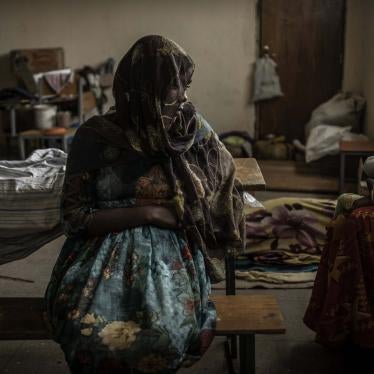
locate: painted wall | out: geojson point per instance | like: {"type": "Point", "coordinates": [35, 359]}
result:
{"type": "Point", "coordinates": [368, 65]}
{"type": "Point", "coordinates": [218, 34]}
{"type": "Point", "coordinates": [359, 55]}
{"type": "Point", "coordinates": [354, 46]}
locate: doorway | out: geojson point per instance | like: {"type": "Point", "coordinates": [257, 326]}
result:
{"type": "Point", "coordinates": [306, 39]}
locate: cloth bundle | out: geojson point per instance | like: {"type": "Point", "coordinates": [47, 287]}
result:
{"type": "Point", "coordinates": [30, 193]}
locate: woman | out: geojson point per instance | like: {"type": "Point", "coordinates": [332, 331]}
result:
{"type": "Point", "coordinates": [149, 195]}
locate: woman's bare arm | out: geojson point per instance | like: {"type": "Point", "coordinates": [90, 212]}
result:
{"type": "Point", "coordinates": [113, 220]}
{"type": "Point", "coordinates": [79, 213]}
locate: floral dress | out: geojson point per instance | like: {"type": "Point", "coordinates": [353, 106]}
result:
{"type": "Point", "coordinates": [131, 299]}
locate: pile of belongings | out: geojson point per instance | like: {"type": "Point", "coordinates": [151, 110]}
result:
{"type": "Point", "coordinates": [97, 79]}
{"type": "Point", "coordinates": [238, 143]}
{"type": "Point", "coordinates": [336, 119]}
{"type": "Point", "coordinates": [30, 194]}
{"type": "Point", "coordinates": [273, 148]}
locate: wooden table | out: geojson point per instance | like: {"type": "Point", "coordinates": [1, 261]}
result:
{"type": "Point", "coordinates": [249, 174]}
{"type": "Point", "coordinates": [49, 139]}
{"type": "Point", "coordinates": [352, 148]}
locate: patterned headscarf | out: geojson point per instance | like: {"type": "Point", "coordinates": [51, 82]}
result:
{"type": "Point", "coordinates": [145, 73]}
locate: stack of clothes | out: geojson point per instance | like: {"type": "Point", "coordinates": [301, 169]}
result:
{"type": "Point", "coordinates": [30, 192]}
{"type": "Point", "coordinates": [284, 242]}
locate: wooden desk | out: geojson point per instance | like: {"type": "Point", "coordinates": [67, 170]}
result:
{"type": "Point", "coordinates": [249, 174]}
{"type": "Point", "coordinates": [49, 139]}
{"type": "Point", "coordinates": [352, 148]}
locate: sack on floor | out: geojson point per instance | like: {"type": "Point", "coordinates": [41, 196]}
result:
{"type": "Point", "coordinates": [273, 149]}
{"type": "Point", "coordinates": [343, 110]}
{"type": "Point", "coordinates": [324, 140]}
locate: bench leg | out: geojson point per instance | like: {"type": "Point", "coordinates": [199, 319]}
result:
{"type": "Point", "coordinates": [247, 354]}
{"type": "Point", "coordinates": [342, 173]}
{"type": "Point", "coordinates": [234, 347]}
{"type": "Point", "coordinates": [230, 274]}
{"type": "Point", "coordinates": [230, 364]}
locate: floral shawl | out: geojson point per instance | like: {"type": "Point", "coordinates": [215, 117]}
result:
{"type": "Point", "coordinates": [199, 169]}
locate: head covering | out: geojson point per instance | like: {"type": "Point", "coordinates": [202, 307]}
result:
{"type": "Point", "coordinates": [142, 79]}
{"type": "Point", "coordinates": [198, 167]}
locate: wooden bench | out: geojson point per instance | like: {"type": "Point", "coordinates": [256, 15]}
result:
{"type": "Point", "coordinates": [239, 315]}
{"type": "Point", "coordinates": [245, 316]}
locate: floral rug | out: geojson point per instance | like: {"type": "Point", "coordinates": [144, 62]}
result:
{"type": "Point", "coordinates": [284, 242]}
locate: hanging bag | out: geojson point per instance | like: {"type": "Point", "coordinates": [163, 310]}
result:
{"type": "Point", "coordinates": [266, 80]}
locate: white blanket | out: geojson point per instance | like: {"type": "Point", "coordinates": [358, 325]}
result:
{"type": "Point", "coordinates": [30, 193]}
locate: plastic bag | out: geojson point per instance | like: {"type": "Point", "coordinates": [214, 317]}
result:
{"type": "Point", "coordinates": [266, 80]}
{"type": "Point", "coordinates": [324, 140]}
{"type": "Point", "coordinates": [342, 110]}
{"type": "Point", "coordinates": [251, 201]}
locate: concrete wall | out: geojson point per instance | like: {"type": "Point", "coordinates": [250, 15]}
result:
{"type": "Point", "coordinates": [359, 55]}
{"type": "Point", "coordinates": [354, 47]}
{"type": "Point", "coordinates": [218, 34]}
{"type": "Point", "coordinates": [368, 65]}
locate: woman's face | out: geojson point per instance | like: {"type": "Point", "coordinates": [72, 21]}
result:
{"type": "Point", "coordinates": [175, 96]}
{"type": "Point", "coordinates": [176, 93]}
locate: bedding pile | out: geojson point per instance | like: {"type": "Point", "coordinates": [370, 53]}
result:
{"type": "Point", "coordinates": [284, 242]}
{"type": "Point", "coordinates": [30, 193]}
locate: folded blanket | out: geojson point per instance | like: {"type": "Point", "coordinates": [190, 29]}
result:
{"type": "Point", "coordinates": [30, 193]}
{"type": "Point", "coordinates": [288, 231]}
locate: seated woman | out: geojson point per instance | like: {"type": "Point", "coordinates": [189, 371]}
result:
{"type": "Point", "coordinates": [341, 309]}
{"type": "Point", "coordinates": [149, 195]}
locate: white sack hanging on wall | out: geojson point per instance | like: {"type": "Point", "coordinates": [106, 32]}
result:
{"type": "Point", "coordinates": [266, 80]}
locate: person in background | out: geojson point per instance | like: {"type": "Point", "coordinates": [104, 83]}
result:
{"type": "Point", "coordinates": [341, 308]}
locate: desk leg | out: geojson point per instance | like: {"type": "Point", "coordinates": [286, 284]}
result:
{"type": "Point", "coordinates": [247, 354]}
{"type": "Point", "coordinates": [231, 290]}
{"type": "Point", "coordinates": [13, 128]}
{"type": "Point", "coordinates": [21, 146]}
{"type": "Point", "coordinates": [65, 144]}
{"type": "Point", "coordinates": [342, 172]}
{"type": "Point", "coordinates": [230, 274]}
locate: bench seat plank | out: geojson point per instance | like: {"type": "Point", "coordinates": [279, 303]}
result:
{"type": "Point", "coordinates": [21, 318]}
{"type": "Point", "coordinates": [248, 314]}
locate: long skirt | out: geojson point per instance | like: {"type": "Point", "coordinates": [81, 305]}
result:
{"type": "Point", "coordinates": [136, 299]}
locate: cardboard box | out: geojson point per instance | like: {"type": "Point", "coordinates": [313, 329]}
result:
{"type": "Point", "coordinates": [41, 59]}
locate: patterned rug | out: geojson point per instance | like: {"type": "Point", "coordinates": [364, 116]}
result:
{"type": "Point", "coordinates": [284, 243]}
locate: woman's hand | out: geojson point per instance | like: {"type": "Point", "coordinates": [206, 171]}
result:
{"type": "Point", "coordinates": [162, 217]}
